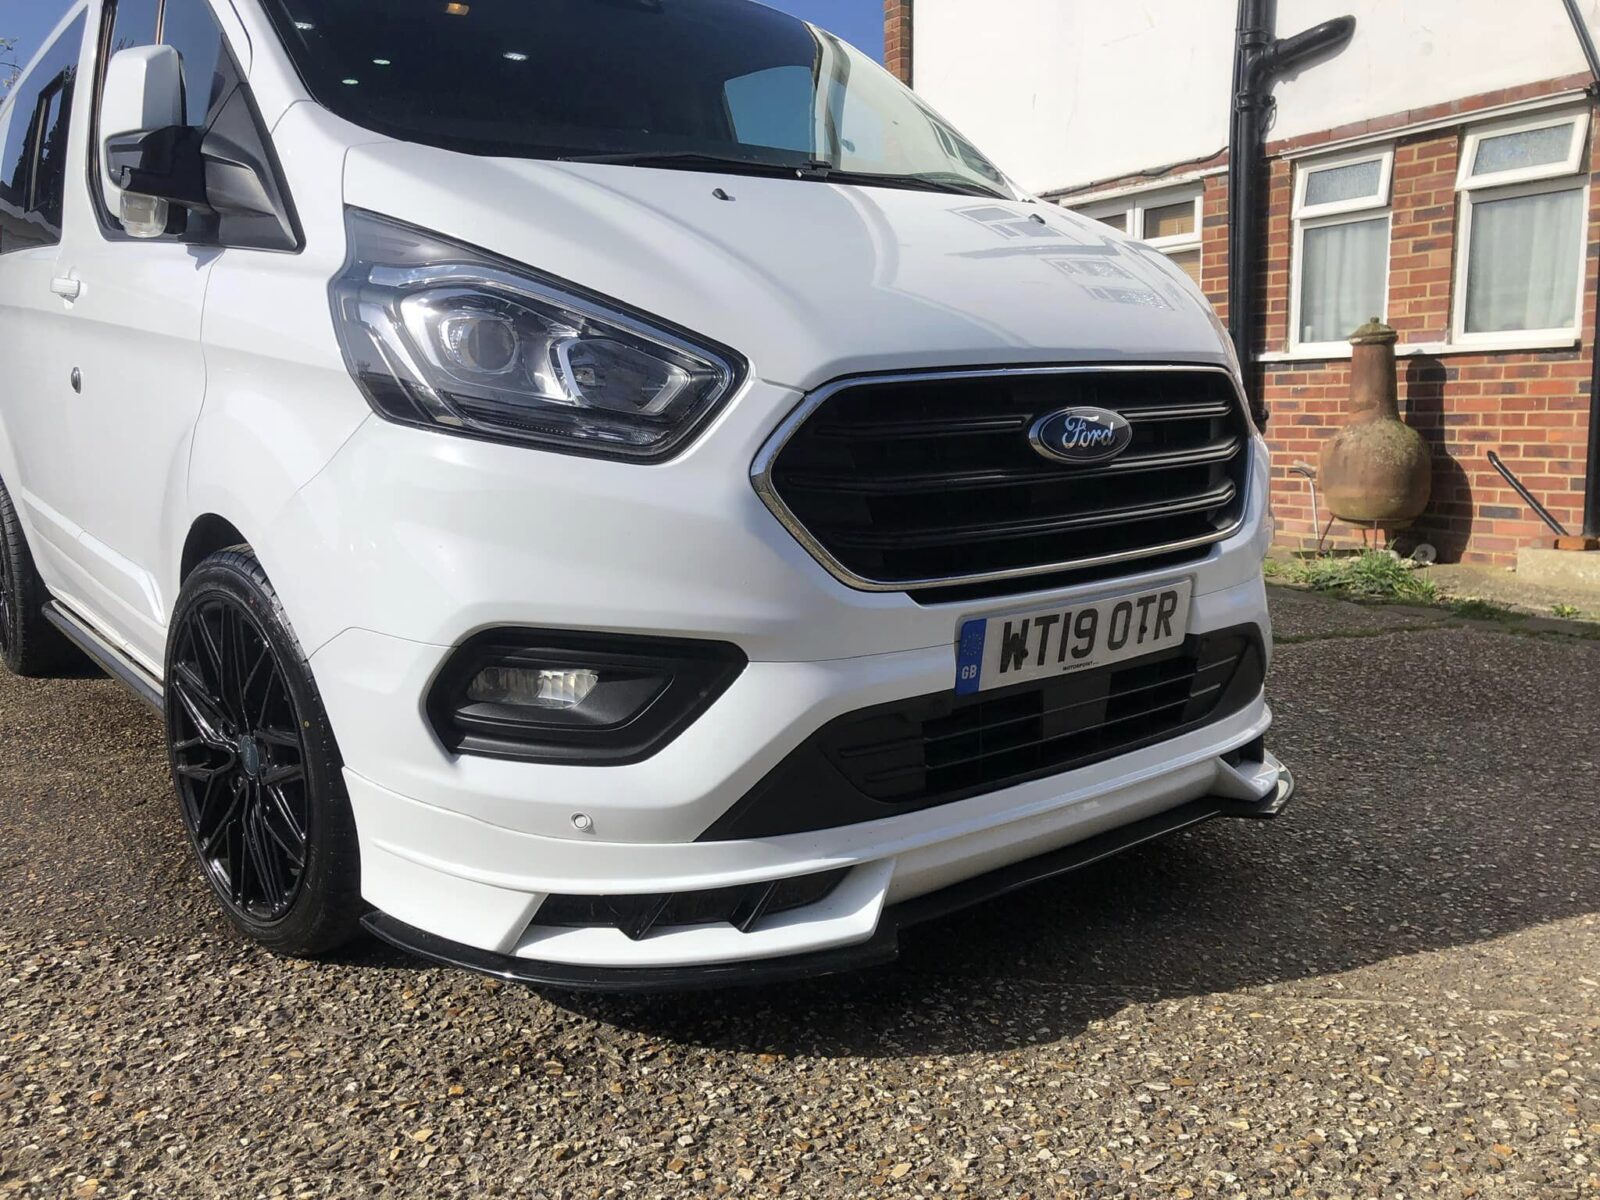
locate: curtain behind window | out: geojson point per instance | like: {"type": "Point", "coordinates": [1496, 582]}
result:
{"type": "Point", "coordinates": [1343, 281]}
{"type": "Point", "coordinates": [1524, 258]}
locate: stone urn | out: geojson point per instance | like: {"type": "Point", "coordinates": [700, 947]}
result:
{"type": "Point", "coordinates": [1376, 471]}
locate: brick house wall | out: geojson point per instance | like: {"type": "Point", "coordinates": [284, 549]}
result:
{"type": "Point", "coordinates": [1529, 406]}
{"type": "Point", "coordinates": [897, 38]}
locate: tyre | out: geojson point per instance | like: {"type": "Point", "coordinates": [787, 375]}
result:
{"type": "Point", "coordinates": [255, 765]}
{"type": "Point", "coordinates": [29, 645]}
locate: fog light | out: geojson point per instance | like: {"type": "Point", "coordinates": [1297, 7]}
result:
{"type": "Point", "coordinates": [532, 687]}
{"type": "Point", "coordinates": [581, 698]}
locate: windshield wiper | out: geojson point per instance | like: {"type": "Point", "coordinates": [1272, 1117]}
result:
{"type": "Point", "coordinates": [924, 183]}
{"type": "Point", "coordinates": [815, 169]}
{"type": "Point", "coordinates": [695, 160]}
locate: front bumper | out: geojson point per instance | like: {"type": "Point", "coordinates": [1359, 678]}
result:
{"type": "Point", "coordinates": [881, 947]}
{"type": "Point", "coordinates": [466, 848]}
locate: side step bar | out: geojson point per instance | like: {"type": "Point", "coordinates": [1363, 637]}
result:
{"type": "Point", "coordinates": [106, 656]}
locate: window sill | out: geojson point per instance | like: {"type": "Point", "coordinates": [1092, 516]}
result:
{"type": "Point", "coordinates": [1493, 343]}
{"type": "Point", "coordinates": [1503, 345]}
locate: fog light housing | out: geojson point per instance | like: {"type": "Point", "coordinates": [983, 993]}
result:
{"type": "Point", "coordinates": [594, 699]}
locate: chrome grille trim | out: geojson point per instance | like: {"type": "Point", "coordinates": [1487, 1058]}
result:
{"type": "Point", "coordinates": [762, 468]}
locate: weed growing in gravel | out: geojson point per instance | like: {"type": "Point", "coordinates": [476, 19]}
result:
{"type": "Point", "coordinates": [1566, 611]}
{"type": "Point", "coordinates": [1482, 610]}
{"type": "Point", "coordinates": [1373, 575]}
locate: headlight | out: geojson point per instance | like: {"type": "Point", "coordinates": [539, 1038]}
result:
{"type": "Point", "coordinates": [446, 336]}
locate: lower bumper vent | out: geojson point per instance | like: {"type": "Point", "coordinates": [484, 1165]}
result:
{"type": "Point", "coordinates": [743, 906]}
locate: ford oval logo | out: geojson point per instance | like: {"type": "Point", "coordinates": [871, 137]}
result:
{"type": "Point", "coordinates": [1081, 435]}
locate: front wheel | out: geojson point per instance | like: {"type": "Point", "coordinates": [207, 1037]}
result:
{"type": "Point", "coordinates": [255, 764]}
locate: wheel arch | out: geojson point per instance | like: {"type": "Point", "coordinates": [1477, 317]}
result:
{"type": "Point", "coordinates": [208, 533]}
{"type": "Point", "coordinates": [223, 521]}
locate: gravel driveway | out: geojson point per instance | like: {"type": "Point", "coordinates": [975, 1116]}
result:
{"type": "Point", "coordinates": [1392, 991]}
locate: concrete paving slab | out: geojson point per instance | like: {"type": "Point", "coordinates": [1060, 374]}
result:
{"type": "Point", "coordinates": [1567, 569]}
{"type": "Point", "coordinates": [1516, 590]}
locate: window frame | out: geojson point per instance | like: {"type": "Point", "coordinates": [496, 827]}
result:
{"type": "Point", "coordinates": [1515, 339]}
{"type": "Point", "coordinates": [1468, 180]}
{"type": "Point", "coordinates": [1571, 174]}
{"type": "Point", "coordinates": [59, 89]}
{"type": "Point", "coordinates": [1137, 204]}
{"type": "Point", "coordinates": [1382, 198]}
{"type": "Point", "coordinates": [1303, 217]}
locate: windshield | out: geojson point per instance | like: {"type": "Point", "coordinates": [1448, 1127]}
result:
{"type": "Point", "coordinates": [694, 84]}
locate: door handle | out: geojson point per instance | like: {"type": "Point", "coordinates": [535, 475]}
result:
{"type": "Point", "coordinates": [67, 287]}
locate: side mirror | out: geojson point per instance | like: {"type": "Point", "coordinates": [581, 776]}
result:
{"type": "Point", "coordinates": [151, 161]}
{"type": "Point", "coordinates": [143, 92]}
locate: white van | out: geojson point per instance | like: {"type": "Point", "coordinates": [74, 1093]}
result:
{"type": "Point", "coordinates": [613, 493]}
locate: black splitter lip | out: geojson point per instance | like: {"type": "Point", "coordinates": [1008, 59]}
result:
{"type": "Point", "coordinates": [882, 947]}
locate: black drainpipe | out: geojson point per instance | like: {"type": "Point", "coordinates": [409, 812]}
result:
{"type": "Point", "coordinates": [1591, 471]}
{"type": "Point", "coordinates": [1260, 59]}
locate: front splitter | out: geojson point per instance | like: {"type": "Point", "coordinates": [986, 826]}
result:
{"type": "Point", "coordinates": [882, 947]}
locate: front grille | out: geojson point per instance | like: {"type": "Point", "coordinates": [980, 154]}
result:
{"type": "Point", "coordinates": [923, 481]}
{"type": "Point", "coordinates": [936, 749]}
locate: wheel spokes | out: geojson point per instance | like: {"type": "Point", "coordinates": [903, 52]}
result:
{"type": "Point", "coordinates": [210, 829]}
{"type": "Point", "coordinates": [205, 712]}
{"type": "Point", "coordinates": [205, 639]}
{"type": "Point", "coordinates": [276, 777]}
{"type": "Point", "coordinates": [234, 652]}
{"type": "Point", "coordinates": [285, 738]}
{"type": "Point", "coordinates": [278, 806]}
{"type": "Point", "coordinates": [266, 864]}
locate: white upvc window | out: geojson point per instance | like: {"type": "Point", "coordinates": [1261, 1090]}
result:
{"type": "Point", "coordinates": [1169, 219]}
{"type": "Point", "coordinates": [1524, 232]}
{"type": "Point", "coordinates": [1339, 272]}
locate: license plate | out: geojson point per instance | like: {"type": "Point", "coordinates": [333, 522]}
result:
{"type": "Point", "coordinates": [1000, 651]}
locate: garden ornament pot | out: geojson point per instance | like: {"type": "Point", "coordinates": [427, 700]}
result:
{"type": "Point", "coordinates": [1376, 471]}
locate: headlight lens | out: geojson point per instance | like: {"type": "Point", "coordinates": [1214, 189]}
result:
{"type": "Point", "coordinates": [443, 335]}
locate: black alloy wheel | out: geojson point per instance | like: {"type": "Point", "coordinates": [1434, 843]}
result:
{"type": "Point", "coordinates": [238, 759]}
{"type": "Point", "coordinates": [29, 644]}
{"type": "Point", "coordinates": [8, 606]}
{"type": "Point", "coordinates": [254, 762]}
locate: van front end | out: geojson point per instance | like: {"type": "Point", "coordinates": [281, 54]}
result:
{"type": "Point", "coordinates": [776, 558]}
{"type": "Point", "coordinates": [859, 654]}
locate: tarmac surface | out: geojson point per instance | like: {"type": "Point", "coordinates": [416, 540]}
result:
{"type": "Point", "coordinates": [1393, 990]}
